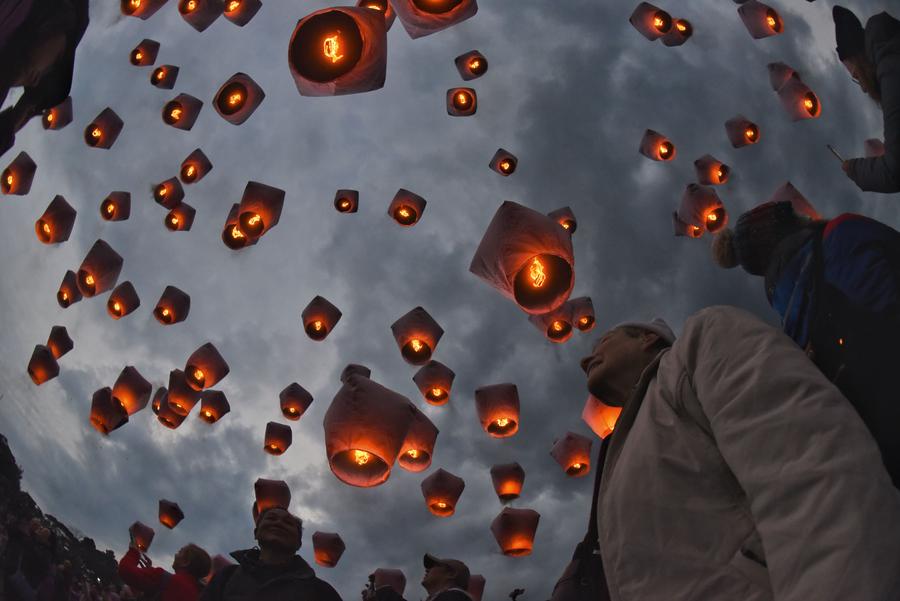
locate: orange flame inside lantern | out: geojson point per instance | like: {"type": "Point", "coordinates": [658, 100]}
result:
{"type": "Point", "coordinates": [236, 233]}
{"type": "Point", "coordinates": [159, 74]}
{"type": "Point", "coordinates": [50, 116]}
{"type": "Point", "coordinates": [666, 150]}
{"type": "Point", "coordinates": [462, 100]}
{"type": "Point", "coordinates": [559, 329]}
{"type": "Point", "coordinates": [413, 453]}
{"type": "Point", "coordinates": [45, 227]}
{"type": "Point", "coordinates": [209, 416]}
{"type": "Point", "coordinates": [662, 22]}
{"type": "Point", "coordinates": [361, 457]}
{"type": "Point", "coordinates": [117, 308]}
{"type": "Point", "coordinates": [536, 273]}
{"type": "Point", "coordinates": [162, 190]}
{"type": "Point", "coordinates": [681, 26]}
{"type": "Point", "coordinates": [331, 47]}
{"type": "Point", "coordinates": [233, 5]}
{"type": "Point", "coordinates": [109, 208]}
{"type": "Point", "coordinates": [8, 180]}
{"type": "Point", "coordinates": [376, 6]}
{"type": "Point", "coordinates": [344, 205]}
{"type": "Point", "coordinates": [175, 114]}
{"type": "Point", "coordinates": [416, 351]}
{"type": "Point", "coordinates": [138, 56]}
{"type": "Point", "coordinates": [189, 173]}
{"type": "Point", "coordinates": [773, 21]}
{"type": "Point", "coordinates": [507, 166]}
{"type": "Point", "coordinates": [576, 468]}
{"type": "Point", "coordinates": [436, 394]}
{"type": "Point", "coordinates": [585, 322]}
{"type": "Point", "coordinates": [188, 7]}
{"type": "Point", "coordinates": [811, 104]}
{"type": "Point", "coordinates": [199, 377]}
{"type": "Point", "coordinates": [173, 221]}
{"type": "Point", "coordinates": [405, 215]}
{"type": "Point", "coordinates": [751, 133]}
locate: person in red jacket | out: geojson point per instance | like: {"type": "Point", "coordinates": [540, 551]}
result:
{"type": "Point", "coordinates": [191, 563]}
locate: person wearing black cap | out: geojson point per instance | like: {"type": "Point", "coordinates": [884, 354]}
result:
{"type": "Point", "coordinates": [872, 56]}
{"type": "Point", "coordinates": [445, 579]}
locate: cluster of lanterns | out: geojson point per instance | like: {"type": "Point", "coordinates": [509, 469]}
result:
{"type": "Point", "coordinates": [257, 213]}
{"type": "Point", "coordinates": [656, 24]}
{"type": "Point", "coordinates": [796, 97]}
{"type": "Point", "coordinates": [43, 365]}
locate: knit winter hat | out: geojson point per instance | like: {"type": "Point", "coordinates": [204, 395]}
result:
{"type": "Point", "coordinates": [851, 38]}
{"type": "Point", "coordinates": [754, 238]}
{"type": "Point", "coordinates": [658, 326]}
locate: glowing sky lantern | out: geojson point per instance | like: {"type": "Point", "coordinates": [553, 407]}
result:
{"type": "Point", "coordinates": [417, 335]}
{"type": "Point", "coordinates": [106, 413]}
{"type": "Point", "coordinates": [406, 208]}
{"type": "Point", "coordinates": [557, 325]}
{"type": "Point", "coordinates": [232, 236]}
{"type": "Point", "coordinates": [194, 167]}
{"type": "Point", "coordinates": [761, 20]}
{"type": "Point", "coordinates": [711, 171]}
{"type": "Point", "coordinates": [435, 382]}
{"type": "Point", "coordinates": [59, 342]}
{"type": "Point", "coordinates": [104, 130]}
{"type": "Point", "coordinates": [462, 102]}
{"type": "Point", "coordinates": [600, 417]}
{"type": "Point", "coordinates": [240, 12]}
{"type": "Point", "coordinates": [681, 32]}
{"type": "Point", "coordinates": [131, 390]}
{"type": "Point", "coordinates": [68, 292]}
{"type": "Point", "coordinates": [418, 447]}
{"type": "Point", "coordinates": [142, 9]}
{"type": "Point", "coordinates": [651, 22]}
{"type": "Point", "coordinates": [42, 366]}
{"type": "Point", "coordinates": [260, 209]}
{"type": "Point", "coordinates": [498, 409]}
{"type": "Point", "coordinates": [181, 397]}
{"type": "Point", "coordinates": [205, 367]}
{"type": "Point", "coordinates": [181, 218]}
{"type": "Point", "coordinates": [200, 14]}
{"type": "Point", "coordinates": [471, 65]}
{"type": "Point", "coordinates": [741, 131]}
{"type": "Point", "coordinates": [788, 193]}
{"type": "Point", "coordinates": [59, 116]}
{"type": "Point", "coordinates": [238, 98]}
{"type": "Point", "coordinates": [168, 193]}
{"type": "Point", "coordinates": [144, 54]}
{"type": "Point", "coordinates": [99, 270]}
{"type": "Point", "coordinates": [172, 307]}
{"type": "Point", "coordinates": [18, 175]}
{"type": "Point", "coordinates": [142, 535]}
{"type": "Point", "coordinates": [383, 7]}
{"type": "Point", "coordinates": [271, 493]}
{"type": "Point", "coordinates": [573, 454]}
{"type": "Point", "coordinates": [425, 17]}
{"type": "Point", "coordinates": [55, 225]}
{"type": "Point", "coordinates": [657, 147]}
{"type": "Point", "coordinates": [170, 513]}
{"type": "Point", "coordinates": [319, 318]}
{"type": "Point", "coordinates": [160, 399]}
{"type": "Point", "coordinates": [167, 416]}
{"type": "Point", "coordinates": [213, 406]}
{"type": "Point", "coordinates": [122, 301]}
{"type": "Point", "coordinates": [514, 530]}
{"type": "Point", "coordinates": [278, 438]}
{"type": "Point", "coordinates": [504, 162]}
{"type": "Point", "coordinates": [346, 201]}
{"type": "Point", "coordinates": [293, 401]}
{"type": "Point", "coordinates": [182, 111]}
{"type": "Point", "coordinates": [701, 211]}
{"type": "Point", "coordinates": [327, 548]}
{"type": "Point", "coordinates": [799, 100]}
{"type": "Point", "coordinates": [508, 480]}
{"type": "Point", "coordinates": [164, 77]}
{"type": "Point", "coordinates": [442, 491]}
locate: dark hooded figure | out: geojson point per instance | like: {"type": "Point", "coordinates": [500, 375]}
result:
{"type": "Point", "coordinates": [37, 51]}
{"type": "Point", "coordinates": [872, 56]}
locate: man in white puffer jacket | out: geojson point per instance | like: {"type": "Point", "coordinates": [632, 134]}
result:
{"type": "Point", "coordinates": [736, 471]}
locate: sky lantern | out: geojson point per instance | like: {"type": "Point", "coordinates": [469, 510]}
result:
{"type": "Point", "coordinates": [169, 513]}
{"type": "Point", "coordinates": [271, 493]}
{"type": "Point", "coordinates": [55, 225]}
{"type": "Point", "coordinates": [182, 111]}
{"type": "Point", "coordinates": [476, 587]}
{"type": "Point", "coordinates": [514, 530]}
{"type": "Point", "coordinates": [131, 390]}
{"type": "Point", "coordinates": [508, 479]}
{"type": "Point", "coordinates": [503, 162]}
{"type": "Point", "coordinates": [336, 51]}
{"type": "Point", "coordinates": [788, 193]}
{"type": "Point", "coordinates": [418, 448]}
{"type": "Point", "coordinates": [260, 209]}
{"type": "Point", "coordinates": [650, 21]}
{"type": "Point", "coordinates": [383, 7]}
{"type": "Point", "coordinates": [471, 65]}
{"type": "Point", "coordinates": [417, 335]}
{"type": "Point", "coordinates": [701, 211]}
{"type": "Point", "coordinates": [194, 167]}
{"type": "Point", "coordinates": [173, 306]}
{"type": "Point", "coordinates": [555, 325]}
{"type": "Point", "coordinates": [406, 208]}
{"type": "Point", "coordinates": [711, 171]}
{"type": "Point", "coordinates": [116, 206]}
{"type": "Point", "coordinates": [582, 309]}
{"type": "Point", "coordinates": [104, 130]}
{"type": "Point", "coordinates": [59, 116]}
{"type": "Point", "coordinates": [213, 406]}
{"type": "Point", "coordinates": [435, 381]}
{"type": "Point", "coordinates": [657, 147]}
{"type": "Point", "coordinates": [424, 17]}
{"type": "Point", "coordinates": [498, 409]}
{"type": "Point", "coordinates": [123, 300]}
{"type": "Point", "coordinates": [200, 14]}
{"type": "Point", "coordinates": [779, 74]}
{"type": "Point", "coordinates": [799, 100]}
{"type": "Point", "coordinates": [873, 148]}
{"type": "Point", "coordinates": [278, 438]}
{"type": "Point", "coordinates": [42, 366]}
{"type": "Point", "coordinates": [319, 318]}
{"type": "Point", "coordinates": [240, 12]}
{"type": "Point", "coordinates": [238, 98]}
{"type": "Point", "coordinates": [99, 270]}
{"type": "Point", "coordinates": [681, 32]}
{"type": "Point", "coordinates": [68, 292]}
{"type": "Point", "coordinates": [294, 400]}
{"type": "Point", "coordinates": [142, 9]}
{"type": "Point", "coordinates": [168, 193]}
{"type": "Point", "coordinates": [573, 453]}
{"type": "Point", "coordinates": [390, 577]}
{"type": "Point", "coordinates": [566, 218]}
{"type": "Point", "coordinates": [160, 399]}
{"type": "Point", "coordinates": [327, 548]}
{"type": "Point", "coordinates": [164, 77]}
{"type": "Point", "coordinates": [527, 257]}
{"type": "Point", "coordinates": [59, 341]}
{"type": "Point", "coordinates": [142, 535]}
{"type": "Point", "coordinates": [741, 131]}
{"type": "Point", "coordinates": [167, 416]}
{"type": "Point", "coordinates": [232, 235]}
{"type": "Point", "coordinates": [600, 417]}
{"type": "Point", "coordinates": [365, 428]}
{"type": "Point", "coordinates": [181, 218]}
{"type": "Point", "coordinates": [106, 413]}
{"type": "Point", "coordinates": [346, 201]}
{"type": "Point", "coordinates": [461, 102]}
{"type": "Point", "coordinates": [205, 367]}
{"type": "Point", "coordinates": [144, 54]}
{"type": "Point", "coordinates": [761, 20]}
{"type": "Point", "coordinates": [181, 397]}
{"type": "Point", "coordinates": [442, 491]}
{"type": "Point", "coordinates": [18, 175]}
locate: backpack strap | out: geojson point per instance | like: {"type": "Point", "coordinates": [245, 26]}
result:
{"type": "Point", "coordinates": [592, 539]}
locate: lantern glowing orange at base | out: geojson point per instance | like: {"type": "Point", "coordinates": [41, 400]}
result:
{"type": "Point", "coordinates": [142, 9]}
{"type": "Point", "coordinates": [160, 399]}
{"type": "Point", "coordinates": [508, 480]}
{"type": "Point", "coordinates": [144, 54]}
{"type": "Point", "coordinates": [498, 409]}
{"type": "Point", "coordinates": [555, 325]}
{"type": "Point", "coordinates": [181, 397]}
{"type": "Point", "coordinates": [170, 514]}
{"type": "Point", "coordinates": [471, 65]}
{"type": "Point", "coordinates": [294, 400]}
{"type": "Point", "coordinates": [18, 176]}
{"type": "Point", "coordinates": [701, 211]}
{"type": "Point", "coordinates": [232, 236]}
{"type": "Point", "coordinates": [573, 453]}
{"type": "Point", "coordinates": [504, 162]}
{"type": "Point", "coordinates": [657, 147]}
{"type": "Point", "coordinates": [514, 530]}
{"type": "Point", "coordinates": [681, 32]}
{"type": "Point", "coordinates": [213, 406]}
{"type": "Point", "coordinates": [55, 225]}
{"type": "Point", "coordinates": [425, 17]}
{"type": "Point", "coordinates": [205, 367]}
{"type": "Point", "coordinates": [240, 12]}
{"type": "Point", "coordinates": [164, 77]}
{"type": "Point", "coordinates": [346, 201]}
{"type": "Point", "coordinates": [271, 493]}
{"type": "Point", "coordinates": [442, 491]}
{"type": "Point", "coordinates": [582, 311]}
{"type": "Point", "coordinates": [104, 130]}
{"type": "Point", "coordinates": [182, 111]}
{"type": "Point", "coordinates": [760, 19]}
{"type": "Point", "coordinates": [461, 102]}
{"type": "Point", "coordinates": [131, 391]}
{"type": "Point", "coordinates": [238, 98]}
{"type": "Point", "coordinates": [167, 417]}
{"type": "Point", "coordinates": [116, 206]}
{"type": "Point", "coordinates": [200, 14]}
{"type": "Point", "coordinates": [99, 270]}
{"type": "Point", "coordinates": [260, 209]}
{"type": "Point", "coordinates": [650, 21]}
{"type": "Point", "coordinates": [173, 306]}
{"type": "Point", "coordinates": [406, 207]}
{"type": "Point", "coordinates": [59, 342]}
{"type": "Point", "coordinates": [59, 116]}
{"type": "Point", "coordinates": [788, 193]}
{"type": "Point", "coordinates": [68, 292]}
{"type": "Point", "coordinates": [142, 535]}
{"type": "Point", "coordinates": [194, 167]}
{"type": "Point", "coordinates": [418, 447]}
{"type": "Point", "coordinates": [327, 548]}
{"type": "Point", "coordinates": [42, 367]}
{"type": "Point", "coordinates": [601, 418]}
{"type": "Point", "coordinates": [319, 318]}
{"type": "Point", "coordinates": [181, 218]}
{"type": "Point", "coordinates": [435, 381]}
{"type": "Point", "coordinates": [741, 131]}
{"type": "Point", "coordinates": [382, 7]}
{"type": "Point", "coordinates": [711, 171]}
{"type": "Point", "coordinates": [566, 218]}
{"type": "Point", "coordinates": [106, 414]}
{"type": "Point", "coordinates": [417, 335]}
{"type": "Point", "coordinates": [168, 193]}
{"type": "Point", "coordinates": [123, 300]}
{"type": "Point", "coordinates": [278, 438]}
{"type": "Point", "coordinates": [799, 100]}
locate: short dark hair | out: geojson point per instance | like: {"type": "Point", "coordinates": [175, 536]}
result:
{"type": "Point", "coordinates": [636, 332]}
{"type": "Point", "coordinates": [197, 560]}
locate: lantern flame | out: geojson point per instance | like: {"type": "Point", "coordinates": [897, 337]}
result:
{"type": "Point", "coordinates": [236, 233]}
{"type": "Point", "coordinates": [663, 149]}
{"type": "Point", "coordinates": [536, 273]}
{"type": "Point", "coordinates": [317, 325]}
{"type": "Point", "coordinates": [682, 28]}
{"type": "Point", "coordinates": [331, 47]}
{"type": "Point", "coordinates": [162, 190]}
{"type": "Point", "coordinates": [404, 212]}
{"type": "Point", "coordinates": [235, 99]}
{"type": "Point", "coordinates": [96, 133]}
{"type": "Point", "coordinates": [771, 21]}
{"type": "Point", "coordinates": [89, 280]}
{"type": "Point", "coordinates": [505, 166]}
{"type": "Point", "coordinates": [9, 180]}
{"type": "Point", "coordinates": [160, 73]}
{"type": "Point", "coordinates": [502, 422]}
{"type": "Point", "coordinates": [750, 133]}
{"type": "Point", "coordinates": [557, 326]}
{"type": "Point", "coordinates": [413, 453]}
{"type": "Point", "coordinates": [474, 64]}
{"type": "Point", "coordinates": [135, 4]}
{"type": "Point", "coordinates": [208, 414]}
{"type": "Point", "coordinates": [190, 171]}
{"type": "Point", "coordinates": [584, 320]}
{"type": "Point", "coordinates": [174, 220]}
{"type": "Point", "coordinates": [117, 307]}
{"type": "Point", "coordinates": [255, 219]}
{"type": "Point", "coordinates": [138, 56]}
{"type": "Point", "coordinates": [175, 114]}
{"type": "Point", "coordinates": [417, 345]}
{"type": "Point", "coordinates": [462, 99]}
{"type": "Point", "coordinates": [50, 116]}
{"type": "Point", "coordinates": [292, 410]}
{"type": "Point", "coordinates": [46, 228]}
{"type": "Point", "coordinates": [165, 313]}
{"type": "Point", "coordinates": [361, 457]}
{"type": "Point", "coordinates": [345, 204]}
{"type": "Point", "coordinates": [233, 6]}
{"type": "Point", "coordinates": [577, 466]}
{"type": "Point", "coordinates": [199, 376]}
{"type": "Point", "coordinates": [110, 208]}
{"type": "Point", "coordinates": [191, 6]}
{"type": "Point", "coordinates": [712, 217]}
{"type": "Point", "coordinates": [437, 392]}
{"type": "Point", "coordinates": [441, 505]}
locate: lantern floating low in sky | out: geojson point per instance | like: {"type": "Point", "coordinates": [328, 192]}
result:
{"type": "Point", "coordinates": [56, 224]}
{"type": "Point", "coordinates": [337, 51]}
{"type": "Point", "coordinates": [471, 65]}
{"type": "Point", "coordinates": [435, 381]}
{"type": "Point", "coordinates": [232, 235]}
{"type": "Point", "coordinates": [169, 513]}
{"type": "Point", "coordinates": [650, 21]}
{"type": "Point", "coordinates": [514, 530]}
{"type": "Point", "coordinates": [573, 453]}
{"type": "Point", "coordinates": [346, 201]}
{"type": "Point", "coordinates": [294, 400]}
{"type": "Point", "coordinates": [131, 390]}
{"type": "Point", "coordinates": [799, 100]}
{"type": "Point", "coordinates": [788, 193]}
{"type": "Point", "coordinates": [205, 367]}
{"type": "Point", "coordinates": [741, 131]}
{"type": "Point", "coordinates": [181, 218]}
{"type": "Point", "coordinates": [168, 193]}
{"type": "Point", "coordinates": [600, 417]}
{"type": "Point", "coordinates": [182, 111]}
{"type": "Point", "coordinates": [476, 587]}
{"type": "Point", "coordinates": [327, 548]}
{"type": "Point", "coordinates": [123, 300]}
{"type": "Point", "coordinates": [240, 12]}
{"type": "Point", "coordinates": [167, 417]}
{"type": "Point", "coordinates": [144, 54]}
{"type": "Point", "coordinates": [238, 98]}
{"type": "Point", "coordinates": [143, 9]}
{"type": "Point", "coordinates": [200, 14]}
{"type": "Point", "coordinates": [164, 77]}
{"type": "Point", "coordinates": [779, 74]}
{"type": "Point", "coordinates": [68, 292]}
{"type": "Point", "coordinates": [681, 32]}
{"type": "Point", "coordinates": [116, 206]}
{"type": "Point", "coordinates": [657, 147]}
{"type": "Point", "coordinates": [555, 325]}
{"type": "Point", "coordinates": [701, 211]}
{"type": "Point", "coordinates": [18, 175]}
{"type": "Point", "coordinates": [461, 102]}
{"type": "Point", "coordinates": [418, 448]}
{"type": "Point", "coordinates": [498, 409]}
{"type": "Point", "coordinates": [195, 167]}
{"type": "Point", "coordinates": [59, 116]}
{"type": "Point", "coordinates": [271, 493]}
{"type": "Point", "coordinates": [213, 406]}
{"type": "Point", "coordinates": [59, 341]}
{"type": "Point", "coordinates": [417, 335]}
{"type": "Point", "coordinates": [260, 209]}
{"type": "Point", "coordinates": [874, 148]}
{"type": "Point", "coordinates": [181, 397]}
{"type": "Point", "coordinates": [104, 130]}
{"type": "Point", "coordinates": [406, 208]}
{"type": "Point", "coordinates": [442, 491]}
{"type": "Point", "coordinates": [527, 257]}
{"type": "Point", "coordinates": [760, 19]}
{"type": "Point", "coordinates": [503, 162]}
{"type": "Point", "coordinates": [173, 306]}
{"type": "Point", "coordinates": [566, 218]}
{"type": "Point", "coordinates": [142, 535]}
{"type": "Point", "coordinates": [424, 17]}
{"type": "Point", "coordinates": [42, 366]}
{"type": "Point", "coordinates": [389, 577]}
{"type": "Point", "coordinates": [99, 270]}
{"type": "Point", "coordinates": [383, 7]}
{"type": "Point", "coordinates": [711, 171]}
{"type": "Point", "coordinates": [160, 399]}
{"type": "Point", "coordinates": [278, 438]}
{"type": "Point", "coordinates": [319, 317]}
{"type": "Point", "coordinates": [582, 310]}
{"type": "Point", "coordinates": [508, 479]}
{"type": "Point", "coordinates": [107, 414]}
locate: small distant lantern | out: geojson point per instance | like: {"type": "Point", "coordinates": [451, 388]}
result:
{"type": "Point", "coordinates": [238, 98]}
{"type": "Point", "coordinates": [59, 341]}
{"type": "Point", "coordinates": [319, 318]}
{"type": "Point", "coordinates": [144, 54]}
{"type": "Point", "coordinates": [173, 306]}
{"type": "Point", "coordinates": [874, 148]}
{"type": "Point", "coordinates": [471, 65]}
{"type": "Point", "coordinates": [337, 51]}
{"type": "Point", "coordinates": [476, 587]}
{"type": "Point", "coordinates": [164, 77]}
{"type": "Point", "coordinates": [18, 175]}
{"type": "Point", "coordinates": [442, 491]}
{"type": "Point", "coordinates": [213, 406]}
{"type": "Point", "coordinates": [711, 171]}
{"type": "Point", "coordinates": [131, 390]}
{"type": "Point", "coordinates": [527, 257]}
{"type": "Point", "coordinates": [142, 535]}
{"type": "Point", "coordinates": [417, 335]}
{"type": "Point", "coordinates": [779, 74]}
{"type": "Point", "coordinates": [42, 366]}
{"type": "Point", "coordinates": [160, 399]}
{"type": "Point", "coordinates": [566, 218]}
{"type": "Point", "coordinates": [116, 206]}
{"type": "Point", "coordinates": [381, 6]}
{"type": "Point", "coordinates": [104, 130]}
{"type": "Point", "coordinates": [788, 193]}
{"type": "Point", "coordinates": [107, 414]}
{"type": "Point", "coordinates": [181, 218]}
{"type": "Point", "coordinates": [123, 300]}
{"type": "Point", "coordinates": [555, 325]}
{"type": "Point", "coordinates": [741, 131]}
{"type": "Point", "coordinates": [573, 453]}
{"type": "Point", "coordinates": [169, 514]}
{"type": "Point", "coordinates": [650, 21]}
{"type": "Point", "coordinates": [168, 193]}
{"type": "Point", "coordinates": [205, 367]}
{"type": "Point", "coordinates": [799, 100]}
{"type": "Point", "coordinates": [701, 209]}
{"type": "Point", "coordinates": [435, 380]}
{"type": "Point", "coordinates": [142, 9]}
{"type": "Point", "coordinates": [514, 531]}
{"type": "Point", "coordinates": [582, 310]}
{"type": "Point", "coordinates": [681, 32]}
{"type": "Point", "coordinates": [59, 116]}
{"type": "Point", "coordinates": [498, 409]}
{"type": "Point", "coordinates": [200, 14]}
{"type": "Point", "coordinates": [424, 17]}
{"type": "Point", "coordinates": [760, 19]}
{"type": "Point", "coordinates": [99, 270]}
{"type": "Point", "coordinates": [182, 111]}
{"type": "Point", "coordinates": [271, 493]}
{"type": "Point", "coordinates": [278, 438]}
{"type": "Point", "coordinates": [503, 162]}
{"type": "Point", "coordinates": [600, 417]}
{"type": "Point", "coordinates": [327, 548]}
{"type": "Point", "coordinates": [240, 12]}
{"type": "Point", "coordinates": [461, 102]}
{"type": "Point", "coordinates": [657, 147]}
{"type": "Point", "coordinates": [346, 201]}
{"type": "Point", "coordinates": [181, 397]}
{"type": "Point", "coordinates": [406, 208]}
{"type": "Point", "coordinates": [168, 417]}
{"type": "Point", "coordinates": [260, 209]}
{"type": "Point", "coordinates": [56, 224]}
{"type": "Point", "coordinates": [389, 577]}
{"type": "Point", "coordinates": [508, 479]}
{"type": "Point", "coordinates": [68, 292]}
{"type": "Point", "coordinates": [418, 448]}
{"type": "Point", "coordinates": [195, 167]}
{"type": "Point", "coordinates": [294, 400]}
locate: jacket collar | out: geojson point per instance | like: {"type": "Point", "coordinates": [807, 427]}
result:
{"type": "Point", "coordinates": [249, 560]}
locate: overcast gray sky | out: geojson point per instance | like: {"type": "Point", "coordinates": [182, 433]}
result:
{"type": "Point", "coordinates": [570, 90]}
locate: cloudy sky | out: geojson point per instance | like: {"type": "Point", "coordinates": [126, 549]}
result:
{"type": "Point", "coordinates": [570, 90]}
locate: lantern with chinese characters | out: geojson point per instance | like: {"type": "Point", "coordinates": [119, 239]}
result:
{"type": "Point", "coordinates": [650, 21]}
{"type": "Point", "coordinates": [657, 147]}
{"type": "Point", "coordinates": [213, 405]}
{"type": "Point", "coordinates": [503, 162]}
{"type": "Point", "coordinates": [294, 400]}
{"type": "Point", "coordinates": [169, 514]}
{"type": "Point", "coordinates": [168, 193]}
{"type": "Point", "coordinates": [107, 414]}
{"type": "Point", "coordinates": [555, 325]}
{"type": "Point", "coordinates": [741, 131]}
{"type": "Point", "coordinates": [365, 428]}
{"type": "Point", "coordinates": [200, 14]}
{"type": "Point", "coordinates": [681, 32]}
{"type": "Point", "coordinates": [527, 257]}
{"type": "Point", "coordinates": [131, 390]}
{"type": "Point", "coordinates": [56, 224]}
{"type": "Point", "coordinates": [508, 479]}
{"type": "Point", "coordinates": [123, 300]}
{"type": "Point", "coordinates": [383, 7]}
{"type": "Point", "coordinates": [319, 318]}
{"type": "Point", "coordinates": [471, 65]}
{"type": "Point", "coordinates": [68, 292]}
{"type": "Point", "coordinates": [205, 367]}
{"type": "Point", "coordinates": [327, 548]}
{"type": "Point", "coordinates": [164, 77]}
{"type": "Point", "coordinates": [160, 399]}
{"type": "Point", "coordinates": [142, 535]}
{"type": "Point", "coordinates": [182, 111]}
{"type": "Point", "coordinates": [143, 9]}
{"type": "Point", "coordinates": [760, 19]}
{"type": "Point", "coordinates": [232, 235]}
{"type": "Point", "coordinates": [799, 100]}
{"type": "Point", "coordinates": [461, 102]}
{"type": "Point", "coordinates": [406, 208]}
{"type": "Point", "coordinates": [346, 201]}
{"type": "Point", "coordinates": [600, 417]}
{"type": "Point", "coordinates": [788, 193]}
{"type": "Point", "coordinates": [874, 148]}
{"type": "Point", "coordinates": [116, 206]}
{"type": "Point", "coordinates": [417, 335]}
{"type": "Point", "coordinates": [337, 51]}
{"type": "Point", "coordinates": [42, 366]}
{"type": "Point", "coordinates": [240, 12]}
{"type": "Point", "coordinates": [711, 171]}
{"type": "Point", "coordinates": [238, 98]}
{"type": "Point", "coordinates": [260, 209]}
{"type": "Point", "coordinates": [779, 74]}
{"type": "Point", "coordinates": [418, 448]}
{"type": "Point", "coordinates": [476, 587]}
{"type": "Point", "coordinates": [173, 306]}
{"type": "Point", "coordinates": [168, 417]}
{"type": "Point", "coordinates": [181, 218]}
{"type": "Point", "coordinates": [59, 116]}
{"type": "Point", "coordinates": [701, 209]}
{"type": "Point", "coordinates": [195, 167]}
{"type": "Point", "coordinates": [498, 409]}
{"type": "Point", "coordinates": [181, 397]}
{"type": "Point", "coordinates": [18, 175]}
{"type": "Point", "coordinates": [424, 17]}
{"type": "Point", "coordinates": [271, 493]}
{"type": "Point", "coordinates": [514, 531]}
{"type": "Point", "coordinates": [104, 130]}
{"type": "Point", "coordinates": [99, 270]}
{"type": "Point", "coordinates": [566, 218]}
{"type": "Point", "coordinates": [435, 381]}
{"type": "Point", "coordinates": [389, 577]}
{"type": "Point", "coordinates": [144, 54]}
{"type": "Point", "coordinates": [442, 491]}
{"type": "Point", "coordinates": [573, 453]}
{"type": "Point", "coordinates": [582, 309]}
{"type": "Point", "coordinates": [59, 341]}
{"type": "Point", "coordinates": [278, 438]}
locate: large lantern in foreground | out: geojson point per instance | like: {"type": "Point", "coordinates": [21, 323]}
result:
{"type": "Point", "coordinates": [555, 325]}
{"type": "Point", "coordinates": [681, 32]}
{"type": "Point", "coordinates": [573, 453]}
{"type": "Point", "coordinates": [650, 21]}
{"type": "Point", "coordinates": [213, 406]}
{"type": "Point", "coordinates": [741, 131]}
{"type": "Point", "coordinates": [514, 531]}
{"type": "Point", "coordinates": [802, 206]}
{"type": "Point", "coordinates": [600, 417]}
{"type": "Point", "coordinates": [701, 209]}
{"type": "Point", "coordinates": [271, 493]}
{"type": "Point", "coordinates": [168, 193]}
{"type": "Point", "coordinates": [59, 116]}
{"type": "Point", "coordinates": [182, 111]}
{"type": "Point", "coordinates": [123, 300]}
{"type": "Point", "coordinates": [566, 218]}
{"type": "Point", "coordinates": [59, 342]}
{"type": "Point", "coordinates": [337, 51]}
{"type": "Point", "coordinates": [56, 224]}
{"type": "Point", "coordinates": [200, 14]}
{"type": "Point", "coordinates": [582, 309]}
{"type": "Point", "coordinates": [144, 54]}
{"type": "Point", "coordinates": [142, 9]}
{"type": "Point", "coordinates": [476, 587]}
{"type": "Point", "coordinates": [99, 270]}
{"type": "Point", "coordinates": [278, 438]}
{"type": "Point", "coordinates": [319, 318]}
{"type": "Point", "coordinates": [42, 366]}
{"type": "Point", "coordinates": [131, 391]}
{"type": "Point", "coordinates": [418, 448]}
{"type": "Point", "coordinates": [240, 12]}
{"type": "Point", "coordinates": [508, 479]}
{"type": "Point", "coordinates": [181, 397]}
{"type": "Point", "coordinates": [657, 147]}
{"type": "Point", "coordinates": [18, 175]}
{"type": "Point", "coordinates": [260, 209]}
{"type": "Point", "coordinates": [169, 513]}
{"type": "Point", "coordinates": [327, 548]}
{"type": "Point", "coordinates": [104, 130]}
{"type": "Point", "coordinates": [238, 98]}
{"type": "Point", "coordinates": [711, 171]}
{"type": "Point", "coordinates": [498, 409]}
{"type": "Point", "coordinates": [294, 400]}
{"type": "Point", "coordinates": [462, 102]}
{"type": "Point", "coordinates": [435, 380]}
{"type": "Point", "coordinates": [68, 292]}
{"type": "Point", "coordinates": [164, 77]}
{"type": "Point", "coordinates": [142, 535]}
{"type": "Point", "coordinates": [503, 162]}
{"type": "Point", "coordinates": [406, 208]}
{"type": "Point", "coordinates": [527, 257]}
{"type": "Point", "coordinates": [442, 491]}
{"type": "Point", "coordinates": [761, 20]}
{"type": "Point", "coordinates": [471, 65]}
{"type": "Point", "coordinates": [106, 413]}
{"type": "Point", "coordinates": [417, 335]}
{"type": "Point", "coordinates": [346, 201]}
{"type": "Point", "coordinates": [194, 167]}
{"type": "Point", "coordinates": [390, 577]}
{"type": "Point", "coordinates": [383, 7]}
{"type": "Point", "coordinates": [424, 17]}
{"type": "Point", "coordinates": [172, 307]}
{"type": "Point", "coordinates": [205, 367]}
{"type": "Point", "coordinates": [116, 206]}
{"type": "Point", "coordinates": [799, 100]}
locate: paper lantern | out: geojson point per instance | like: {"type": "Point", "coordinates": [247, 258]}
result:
{"type": "Point", "coordinates": [319, 318]}
{"type": "Point", "coordinates": [142, 9]}
{"type": "Point", "coordinates": [68, 292]}
{"type": "Point", "coordinates": [99, 270]}
{"type": "Point", "coordinates": [55, 225]}
{"type": "Point", "coordinates": [260, 209]}
{"type": "Point", "coordinates": [471, 65]}
{"type": "Point", "coordinates": [566, 218]}
{"type": "Point", "coordinates": [406, 208]}
{"type": "Point", "coordinates": [18, 175]}
{"type": "Point", "coordinates": [701, 211]}
{"type": "Point", "coordinates": [498, 409]}
{"type": "Point", "coordinates": [271, 493]}
{"type": "Point", "coordinates": [106, 413]}
{"type": "Point", "coordinates": [181, 218]}
{"type": "Point", "coordinates": [390, 577]}
{"type": "Point", "coordinates": [278, 438]}
{"type": "Point", "coordinates": [788, 193]}
{"type": "Point", "coordinates": [383, 7]}
{"type": "Point", "coordinates": [556, 325]}
{"type": "Point", "coordinates": [503, 162]}
{"type": "Point", "coordinates": [168, 193]}
{"type": "Point", "coordinates": [760, 19]}
{"type": "Point", "coordinates": [508, 479]}
{"type": "Point", "coordinates": [573, 453]}
{"type": "Point", "coordinates": [650, 21]}
{"type": "Point", "coordinates": [123, 300]}
{"type": "Point", "coordinates": [144, 54]}
{"type": "Point", "coordinates": [417, 335]}
{"type": "Point", "coordinates": [779, 74]}
{"type": "Point", "coordinates": [435, 381]}
{"type": "Point", "coordinates": [418, 448]}
{"type": "Point", "coordinates": [213, 406]}
{"type": "Point", "coordinates": [164, 77]}
{"type": "Point", "coordinates": [104, 130]}
{"type": "Point", "coordinates": [874, 148]}
{"type": "Point", "coordinates": [205, 367]}
{"type": "Point", "coordinates": [294, 400]}
{"type": "Point", "coordinates": [582, 309]}
{"type": "Point", "coordinates": [173, 306]}
{"type": "Point", "coordinates": [169, 514]}
{"type": "Point", "coordinates": [181, 397]}
{"type": "Point", "coordinates": [657, 147]}
{"type": "Point", "coordinates": [194, 167]}
{"type": "Point", "coordinates": [461, 102]}
{"type": "Point", "coordinates": [365, 428]}
{"type": "Point", "coordinates": [681, 32]}
{"type": "Point", "coordinates": [799, 100]}
{"type": "Point", "coordinates": [442, 491]}
{"type": "Point", "coordinates": [200, 14]}
{"type": "Point", "coordinates": [182, 111]}
{"type": "Point", "coordinates": [337, 51]}
{"type": "Point", "coordinates": [327, 548]}
{"type": "Point", "coordinates": [600, 417]}
{"type": "Point", "coordinates": [240, 12]}
{"type": "Point", "coordinates": [131, 391]}
{"type": "Point", "coordinates": [142, 535]}
{"type": "Point", "coordinates": [346, 201]}
{"type": "Point", "coordinates": [168, 417]}
{"type": "Point", "coordinates": [160, 399]}
{"type": "Point", "coordinates": [514, 531]}
{"type": "Point", "coordinates": [424, 17]}
{"type": "Point", "coordinates": [527, 257]}
{"type": "Point", "coordinates": [59, 341]}
{"type": "Point", "coordinates": [42, 366]}
{"type": "Point", "coordinates": [232, 235]}
{"type": "Point", "coordinates": [741, 131]}
{"type": "Point", "coordinates": [238, 98]}
{"type": "Point", "coordinates": [116, 206]}
{"type": "Point", "coordinates": [711, 171]}
{"type": "Point", "coordinates": [59, 116]}
{"type": "Point", "coordinates": [476, 587]}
